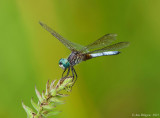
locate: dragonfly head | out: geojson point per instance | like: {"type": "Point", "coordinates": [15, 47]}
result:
{"type": "Point", "coordinates": [64, 63]}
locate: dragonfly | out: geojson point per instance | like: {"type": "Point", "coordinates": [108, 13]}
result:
{"type": "Point", "coordinates": [101, 47]}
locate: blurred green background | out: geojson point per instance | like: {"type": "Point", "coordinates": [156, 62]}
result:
{"type": "Point", "coordinates": [107, 87]}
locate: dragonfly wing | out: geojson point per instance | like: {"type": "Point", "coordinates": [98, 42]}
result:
{"type": "Point", "coordinates": [70, 45]}
{"type": "Point", "coordinates": [116, 46]}
{"type": "Point", "coordinates": [100, 43]}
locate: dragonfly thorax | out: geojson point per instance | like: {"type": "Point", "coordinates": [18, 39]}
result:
{"type": "Point", "coordinates": [75, 58]}
{"type": "Point", "coordinates": [64, 63]}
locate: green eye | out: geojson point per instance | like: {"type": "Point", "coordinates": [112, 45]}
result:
{"type": "Point", "coordinates": [61, 61]}
{"type": "Point", "coordinates": [64, 62]}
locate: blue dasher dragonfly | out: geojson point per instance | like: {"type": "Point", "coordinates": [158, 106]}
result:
{"type": "Point", "coordinates": [101, 47]}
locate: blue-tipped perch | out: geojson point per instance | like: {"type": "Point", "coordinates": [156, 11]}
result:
{"type": "Point", "coordinates": [100, 47]}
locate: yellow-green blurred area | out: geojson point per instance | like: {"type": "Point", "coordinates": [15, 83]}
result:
{"type": "Point", "coordinates": [107, 87]}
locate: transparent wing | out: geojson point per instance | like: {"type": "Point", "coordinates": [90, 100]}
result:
{"type": "Point", "coordinates": [100, 43]}
{"type": "Point", "coordinates": [116, 46]}
{"type": "Point", "coordinates": [70, 45]}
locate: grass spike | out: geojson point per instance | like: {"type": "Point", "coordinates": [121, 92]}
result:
{"type": "Point", "coordinates": [48, 101]}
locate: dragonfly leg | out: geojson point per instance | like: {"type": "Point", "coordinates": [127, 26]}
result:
{"type": "Point", "coordinates": [63, 78]}
{"type": "Point", "coordinates": [63, 72]}
{"type": "Point", "coordinates": [68, 72]}
{"type": "Point", "coordinates": [75, 74]}
{"type": "Point", "coordinates": [72, 72]}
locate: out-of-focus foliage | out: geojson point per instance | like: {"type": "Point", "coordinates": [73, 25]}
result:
{"type": "Point", "coordinates": [107, 87]}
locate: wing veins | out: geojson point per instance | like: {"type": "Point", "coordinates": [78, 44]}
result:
{"type": "Point", "coordinates": [70, 45]}
{"type": "Point", "coordinates": [100, 43]}
{"type": "Point", "coordinates": [113, 47]}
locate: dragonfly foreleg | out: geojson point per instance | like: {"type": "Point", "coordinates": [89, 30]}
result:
{"type": "Point", "coordinates": [63, 72]}
{"type": "Point", "coordinates": [68, 72]}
